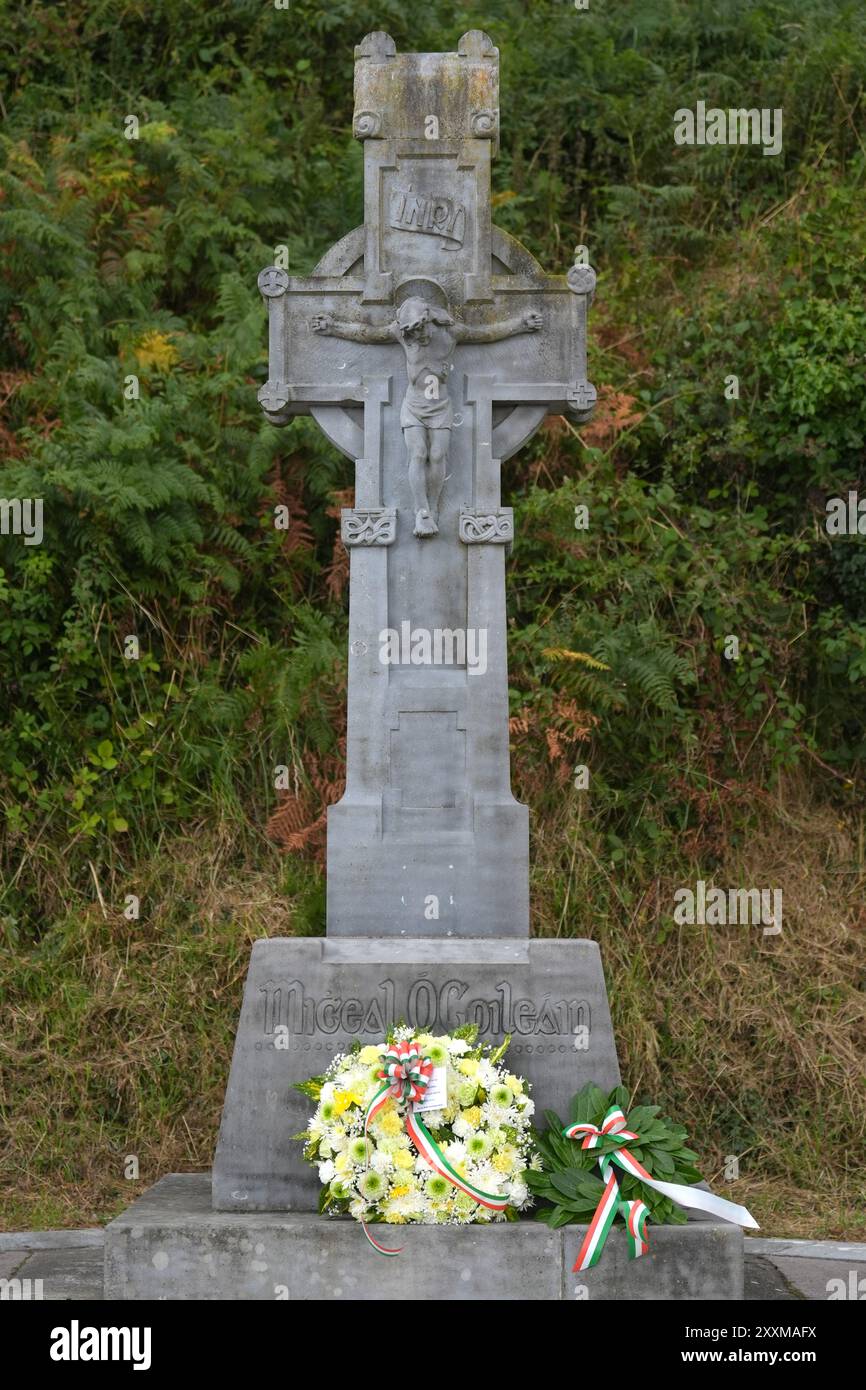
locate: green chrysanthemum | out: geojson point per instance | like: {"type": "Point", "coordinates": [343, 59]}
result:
{"type": "Point", "coordinates": [358, 1150]}
{"type": "Point", "coordinates": [438, 1187]}
{"type": "Point", "coordinates": [478, 1146]}
{"type": "Point", "coordinates": [438, 1054]}
{"type": "Point", "coordinates": [500, 1095]}
{"type": "Point", "coordinates": [372, 1186]}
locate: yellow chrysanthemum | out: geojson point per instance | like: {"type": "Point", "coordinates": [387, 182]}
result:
{"type": "Point", "coordinates": [504, 1161]}
{"type": "Point", "coordinates": [403, 1159]}
{"type": "Point", "coordinates": [343, 1162]}
{"type": "Point", "coordinates": [469, 1067]}
{"type": "Point", "coordinates": [368, 1054]}
{"type": "Point", "coordinates": [401, 1191]}
{"type": "Point", "coordinates": [390, 1123]}
{"type": "Point", "coordinates": [394, 1218]}
{"type": "Point", "coordinates": [472, 1116]}
{"type": "Point", "coordinates": [514, 1084]}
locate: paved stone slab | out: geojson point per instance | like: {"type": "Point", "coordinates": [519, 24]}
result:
{"type": "Point", "coordinates": [66, 1273]}
{"type": "Point", "coordinates": [808, 1249]}
{"type": "Point", "coordinates": [825, 1280]}
{"type": "Point", "coordinates": [10, 1261]}
{"type": "Point", "coordinates": [50, 1240]}
{"type": "Point", "coordinates": [171, 1245]}
{"type": "Point", "coordinates": [762, 1282]}
{"type": "Point", "coordinates": [306, 1000]}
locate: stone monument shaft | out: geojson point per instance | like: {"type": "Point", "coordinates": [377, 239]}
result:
{"type": "Point", "coordinates": [428, 346]}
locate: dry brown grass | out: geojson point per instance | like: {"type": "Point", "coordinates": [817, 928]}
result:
{"type": "Point", "coordinates": [757, 1043]}
{"type": "Point", "coordinates": [117, 1035]}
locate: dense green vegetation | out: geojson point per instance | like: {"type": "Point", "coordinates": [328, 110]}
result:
{"type": "Point", "coordinates": [154, 777]}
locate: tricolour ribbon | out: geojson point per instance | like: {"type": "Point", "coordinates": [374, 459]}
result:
{"type": "Point", "coordinates": [405, 1076]}
{"type": "Point", "coordinates": [613, 1126]}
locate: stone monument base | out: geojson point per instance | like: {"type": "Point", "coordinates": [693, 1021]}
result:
{"type": "Point", "coordinates": [170, 1244]}
{"type": "Point", "coordinates": [308, 999]}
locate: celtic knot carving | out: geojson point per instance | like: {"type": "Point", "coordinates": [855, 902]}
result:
{"type": "Point", "coordinates": [368, 525]}
{"type": "Point", "coordinates": [487, 528]}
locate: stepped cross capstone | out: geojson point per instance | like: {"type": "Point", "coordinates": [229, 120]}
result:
{"type": "Point", "coordinates": [429, 346]}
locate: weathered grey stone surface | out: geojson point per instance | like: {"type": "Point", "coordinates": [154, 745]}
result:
{"type": "Point", "coordinates": [170, 1245]}
{"type": "Point", "coordinates": [701, 1261]}
{"type": "Point", "coordinates": [549, 995]}
{"type": "Point", "coordinates": [428, 839]}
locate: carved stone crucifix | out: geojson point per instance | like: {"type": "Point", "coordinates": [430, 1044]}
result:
{"type": "Point", "coordinates": [428, 336]}
{"type": "Point", "coordinates": [428, 840]}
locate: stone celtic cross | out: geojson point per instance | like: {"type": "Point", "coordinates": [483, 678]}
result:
{"type": "Point", "coordinates": [429, 346]}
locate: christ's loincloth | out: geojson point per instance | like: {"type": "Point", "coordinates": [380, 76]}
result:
{"type": "Point", "coordinates": [417, 409]}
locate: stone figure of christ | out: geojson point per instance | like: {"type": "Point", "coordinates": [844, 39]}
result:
{"type": "Point", "coordinates": [428, 335]}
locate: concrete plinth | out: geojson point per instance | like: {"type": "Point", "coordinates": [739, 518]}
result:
{"type": "Point", "coordinates": [170, 1244]}
{"type": "Point", "coordinates": [307, 1000]}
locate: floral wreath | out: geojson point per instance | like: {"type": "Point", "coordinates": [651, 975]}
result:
{"type": "Point", "coordinates": [421, 1128]}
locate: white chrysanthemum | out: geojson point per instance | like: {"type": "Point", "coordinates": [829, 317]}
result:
{"type": "Point", "coordinates": [433, 1119]}
{"type": "Point", "coordinates": [326, 1171]}
{"type": "Point", "coordinates": [328, 1091]}
{"type": "Point", "coordinates": [455, 1152]}
{"type": "Point", "coordinates": [462, 1128]}
{"type": "Point", "coordinates": [457, 1046]}
{"type": "Point", "coordinates": [381, 1161]}
{"type": "Point", "coordinates": [499, 1117]}
{"type": "Point", "coordinates": [408, 1204]}
{"type": "Point", "coordinates": [517, 1192]}
{"type": "Point", "coordinates": [487, 1074]}
{"type": "Point", "coordinates": [487, 1178]}
{"type": "Point", "coordinates": [358, 1208]}
{"type": "Point", "coordinates": [525, 1106]}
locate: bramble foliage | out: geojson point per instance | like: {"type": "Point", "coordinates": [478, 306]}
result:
{"type": "Point", "coordinates": [137, 339]}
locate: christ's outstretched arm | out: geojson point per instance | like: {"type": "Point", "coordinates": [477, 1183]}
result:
{"type": "Point", "coordinates": [355, 332]}
{"type": "Point", "coordinates": [530, 322]}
